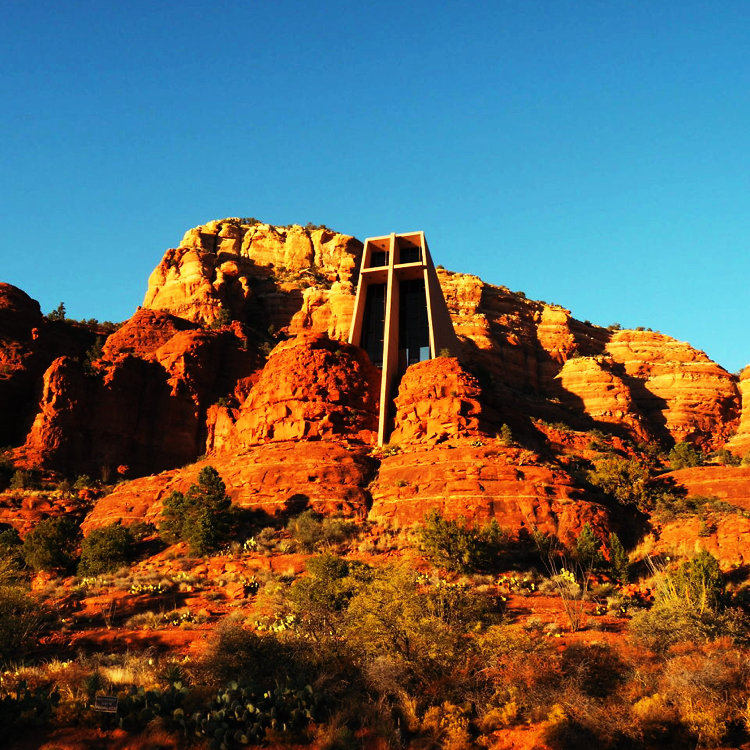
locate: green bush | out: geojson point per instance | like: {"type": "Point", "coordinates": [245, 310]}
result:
{"type": "Point", "coordinates": [105, 550]}
{"type": "Point", "coordinates": [11, 555]}
{"type": "Point", "coordinates": [619, 561]}
{"type": "Point", "coordinates": [690, 605]}
{"type": "Point", "coordinates": [456, 546]}
{"type": "Point", "coordinates": [629, 481]}
{"type": "Point", "coordinates": [20, 621]}
{"type": "Point", "coordinates": [588, 549]}
{"type": "Point", "coordinates": [311, 530]}
{"type": "Point", "coordinates": [51, 544]}
{"type": "Point", "coordinates": [201, 517]}
{"type": "Point", "coordinates": [726, 458]}
{"type": "Point", "coordinates": [684, 456]}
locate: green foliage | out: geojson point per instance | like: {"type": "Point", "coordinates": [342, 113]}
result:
{"type": "Point", "coordinates": [506, 435]}
{"type": "Point", "coordinates": [689, 606]}
{"type": "Point", "coordinates": [618, 559]}
{"type": "Point", "coordinates": [223, 318]}
{"type": "Point", "coordinates": [51, 544]}
{"type": "Point", "coordinates": [83, 481]}
{"type": "Point", "coordinates": [588, 549]}
{"type": "Point", "coordinates": [105, 550]}
{"type": "Point", "coordinates": [11, 555]}
{"type": "Point", "coordinates": [726, 458]}
{"type": "Point", "coordinates": [698, 582]}
{"type": "Point", "coordinates": [21, 618]}
{"type": "Point", "coordinates": [58, 313]}
{"type": "Point", "coordinates": [670, 508]}
{"type": "Point", "coordinates": [94, 353]}
{"type": "Point", "coordinates": [456, 546]}
{"type": "Point", "coordinates": [311, 530]}
{"type": "Point", "coordinates": [23, 480]}
{"type": "Point", "coordinates": [684, 456]}
{"type": "Point", "coordinates": [627, 480]}
{"type": "Point", "coordinates": [320, 598]}
{"type": "Point", "coordinates": [201, 517]}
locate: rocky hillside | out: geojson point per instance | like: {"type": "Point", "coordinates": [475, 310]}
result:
{"type": "Point", "coordinates": [240, 346]}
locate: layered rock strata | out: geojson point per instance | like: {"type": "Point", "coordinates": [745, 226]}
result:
{"type": "Point", "coordinates": [275, 478]}
{"type": "Point", "coordinates": [257, 273]}
{"type": "Point", "coordinates": [481, 483]}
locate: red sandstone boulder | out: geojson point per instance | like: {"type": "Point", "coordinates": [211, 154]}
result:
{"type": "Point", "coordinates": [311, 388]}
{"type": "Point", "coordinates": [436, 399]}
{"type": "Point", "coordinates": [147, 411]}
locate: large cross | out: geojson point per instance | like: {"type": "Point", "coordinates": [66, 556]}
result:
{"type": "Point", "coordinates": [400, 316]}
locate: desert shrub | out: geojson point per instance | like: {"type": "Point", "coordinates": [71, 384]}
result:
{"type": "Point", "coordinates": [588, 549]}
{"type": "Point", "coordinates": [21, 618]}
{"type": "Point", "coordinates": [619, 561]}
{"type": "Point", "coordinates": [320, 598]}
{"type": "Point", "coordinates": [307, 529]}
{"type": "Point", "coordinates": [690, 605]}
{"type": "Point", "coordinates": [105, 550]}
{"type": "Point", "coordinates": [83, 482]}
{"type": "Point", "coordinates": [506, 435]}
{"type": "Point", "coordinates": [669, 508]}
{"type": "Point", "coordinates": [684, 456]}
{"type": "Point", "coordinates": [201, 516]}
{"type": "Point", "coordinates": [457, 546]}
{"type": "Point", "coordinates": [395, 628]}
{"type": "Point", "coordinates": [23, 480]}
{"type": "Point", "coordinates": [628, 480]}
{"type": "Point", "coordinates": [311, 530]}
{"type": "Point", "coordinates": [726, 458]}
{"type": "Point", "coordinates": [51, 544]}
{"type": "Point", "coordinates": [707, 684]}
{"type": "Point", "coordinates": [11, 555]}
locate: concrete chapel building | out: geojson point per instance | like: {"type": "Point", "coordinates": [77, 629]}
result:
{"type": "Point", "coordinates": [400, 316]}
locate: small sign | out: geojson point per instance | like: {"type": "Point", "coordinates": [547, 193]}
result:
{"type": "Point", "coordinates": [106, 703]}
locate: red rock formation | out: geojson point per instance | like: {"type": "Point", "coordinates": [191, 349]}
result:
{"type": "Point", "coordinates": [725, 533]}
{"type": "Point", "coordinates": [436, 399]}
{"type": "Point", "coordinates": [311, 388]}
{"type": "Point", "coordinates": [740, 442]}
{"type": "Point", "coordinates": [725, 538]}
{"type": "Point", "coordinates": [256, 271]}
{"type": "Point", "coordinates": [146, 411]}
{"type": "Point", "coordinates": [482, 483]}
{"type": "Point", "coordinates": [591, 387]}
{"type": "Point", "coordinates": [143, 334]}
{"type": "Point", "coordinates": [28, 344]}
{"type": "Point", "coordinates": [520, 350]}
{"type": "Point", "coordinates": [677, 386]}
{"type": "Point", "coordinates": [728, 483]}
{"type": "Point", "coordinates": [274, 478]}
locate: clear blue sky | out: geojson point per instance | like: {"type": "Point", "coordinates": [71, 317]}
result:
{"type": "Point", "coordinates": [592, 153]}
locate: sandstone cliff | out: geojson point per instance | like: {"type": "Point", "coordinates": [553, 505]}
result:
{"type": "Point", "coordinates": [143, 403]}
{"type": "Point", "coordinates": [740, 442]}
{"type": "Point", "coordinates": [258, 273]}
{"type": "Point", "coordinates": [188, 374]}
